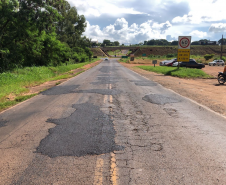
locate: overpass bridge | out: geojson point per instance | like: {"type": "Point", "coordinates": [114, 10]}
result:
{"type": "Point", "coordinates": [119, 48]}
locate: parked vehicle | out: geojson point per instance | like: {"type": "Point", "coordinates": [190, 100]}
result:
{"type": "Point", "coordinates": [106, 59]}
{"type": "Point", "coordinates": [163, 63]}
{"type": "Point", "coordinates": [172, 62]}
{"type": "Point", "coordinates": [221, 78]}
{"type": "Point", "coordinates": [216, 63]}
{"type": "Point", "coordinates": [175, 64]}
{"type": "Point", "coordinates": [192, 64]}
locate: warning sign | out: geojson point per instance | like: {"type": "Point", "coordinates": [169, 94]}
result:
{"type": "Point", "coordinates": [183, 55]}
{"type": "Point", "coordinates": [184, 42]}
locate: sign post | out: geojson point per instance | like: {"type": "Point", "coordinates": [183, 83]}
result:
{"type": "Point", "coordinates": [154, 62]}
{"type": "Point", "coordinates": [184, 45]}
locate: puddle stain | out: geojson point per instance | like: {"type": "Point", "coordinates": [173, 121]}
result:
{"type": "Point", "coordinates": [159, 99]}
{"type": "Point", "coordinates": [58, 90]}
{"type": "Point", "coordinates": [88, 131]}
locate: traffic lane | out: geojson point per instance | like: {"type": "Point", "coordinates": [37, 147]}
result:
{"type": "Point", "coordinates": [23, 134]}
{"type": "Point", "coordinates": [42, 151]}
{"type": "Point", "coordinates": [169, 138]}
{"type": "Point", "coordinates": [152, 132]}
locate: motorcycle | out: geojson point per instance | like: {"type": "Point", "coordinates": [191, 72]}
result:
{"type": "Point", "coordinates": [221, 78]}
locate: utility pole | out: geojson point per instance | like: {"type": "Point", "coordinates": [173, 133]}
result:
{"type": "Point", "coordinates": [222, 46]}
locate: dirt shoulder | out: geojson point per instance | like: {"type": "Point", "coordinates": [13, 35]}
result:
{"type": "Point", "coordinates": [204, 91]}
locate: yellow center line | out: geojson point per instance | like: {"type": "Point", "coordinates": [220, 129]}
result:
{"type": "Point", "coordinates": [98, 178]}
{"type": "Point", "coordinates": [113, 170]}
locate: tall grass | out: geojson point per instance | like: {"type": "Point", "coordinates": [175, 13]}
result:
{"type": "Point", "coordinates": [16, 82]}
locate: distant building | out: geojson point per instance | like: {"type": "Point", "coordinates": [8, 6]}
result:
{"type": "Point", "coordinates": [94, 41]}
{"type": "Point", "coordinates": [208, 42]}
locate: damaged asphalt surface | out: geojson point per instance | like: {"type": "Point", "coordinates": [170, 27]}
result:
{"type": "Point", "coordinates": [109, 125]}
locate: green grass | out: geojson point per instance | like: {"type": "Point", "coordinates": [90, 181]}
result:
{"type": "Point", "coordinates": [16, 82]}
{"type": "Point", "coordinates": [174, 71]}
{"type": "Point", "coordinates": [7, 104]}
{"type": "Point", "coordinates": [124, 60]}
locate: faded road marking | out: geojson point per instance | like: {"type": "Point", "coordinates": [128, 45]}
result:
{"type": "Point", "coordinates": [113, 170]}
{"type": "Point", "coordinates": [98, 178]}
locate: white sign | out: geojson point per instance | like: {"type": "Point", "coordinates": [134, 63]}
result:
{"type": "Point", "coordinates": [184, 42]}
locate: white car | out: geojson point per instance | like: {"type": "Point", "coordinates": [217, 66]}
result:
{"type": "Point", "coordinates": [163, 63]}
{"type": "Point", "coordinates": [175, 64]}
{"type": "Point", "coordinates": [106, 59]}
{"type": "Point", "coordinates": [216, 63]}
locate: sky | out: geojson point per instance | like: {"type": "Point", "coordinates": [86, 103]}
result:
{"type": "Point", "coordinates": [135, 21]}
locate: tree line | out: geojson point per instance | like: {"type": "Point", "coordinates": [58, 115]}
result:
{"type": "Point", "coordinates": [41, 32]}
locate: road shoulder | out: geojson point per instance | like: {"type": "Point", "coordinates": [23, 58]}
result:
{"type": "Point", "coordinates": [204, 91]}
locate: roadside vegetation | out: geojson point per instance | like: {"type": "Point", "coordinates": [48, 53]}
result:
{"type": "Point", "coordinates": [15, 83]}
{"type": "Point", "coordinates": [174, 71]}
{"type": "Point", "coordinates": [41, 33]}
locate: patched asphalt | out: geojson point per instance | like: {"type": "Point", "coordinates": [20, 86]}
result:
{"type": "Point", "coordinates": [88, 131]}
{"type": "Point", "coordinates": [3, 123]}
{"type": "Point", "coordinates": [58, 90]}
{"type": "Point", "coordinates": [100, 91]}
{"type": "Point", "coordinates": [160, 99]}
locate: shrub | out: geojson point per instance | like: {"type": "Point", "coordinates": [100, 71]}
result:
{"type": "Point", "coordinates": [171, 55]}
{"type": "Point", "coordinates": [208, 56]}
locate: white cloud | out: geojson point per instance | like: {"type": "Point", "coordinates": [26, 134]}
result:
{"type": "Point", "coordinates": [91, 8]}
{"type": "Point", "coordinates": [203, 11]}
{"type": "Point", "coordinates": [218, 27]}
{"type": "Point", "coordinates": [198, 34]}
{"type": "Point", "coordinates": [123, 33]}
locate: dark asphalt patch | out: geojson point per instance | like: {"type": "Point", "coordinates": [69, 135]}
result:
{"type": "Point", "coordinates": [107, 69]}
{"type": "Point", "coordinates": [145, 84]}
{"type": "Point", "coordinates": [100, 91]}
{"type": "Point", "coordinates": [2, 123]}
{"type": "Point", "coordinates": [105, 80]}
{"type": "Point", "coordinates": [88, 131]}
{"type": "Point", "coordinates": [159, 99]}
{"type": "Point", "coordinates": [58, 90]}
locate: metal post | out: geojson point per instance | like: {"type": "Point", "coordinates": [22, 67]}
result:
{"type": "Point", "coordinates": [222, 42]}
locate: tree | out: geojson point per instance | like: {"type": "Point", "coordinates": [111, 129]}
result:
{"type": "Point", "coordinates": [174, 43]}
{"type": "Point", "coordinates": [224, 41]}
{"type": "Point", "coordinates": [107, 42]}
{"type": "Point", "coordinates": [116, 43]}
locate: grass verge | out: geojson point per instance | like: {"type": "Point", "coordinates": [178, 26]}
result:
{"type": "Point", "coordinates": [124, 60]}
{"type": "Point", "coordinates": [174, 71]}
{"type": "Point", "coordinates": [14, 84]}
{"type": "Point", "coordinates": [6, 104]}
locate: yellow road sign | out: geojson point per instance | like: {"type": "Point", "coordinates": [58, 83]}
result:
{"type": "Point", "coordinates": [183, 55]}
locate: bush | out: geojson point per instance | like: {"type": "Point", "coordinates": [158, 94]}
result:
{"type": "Point", "coordinates": [208, 56]}
{"type": "Point", "coordinates": [223, 58]}
{"type": "Point", "coordinates": [171, 55]}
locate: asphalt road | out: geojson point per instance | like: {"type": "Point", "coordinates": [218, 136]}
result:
{"type": "Point", "coordinates": [109, 125]}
